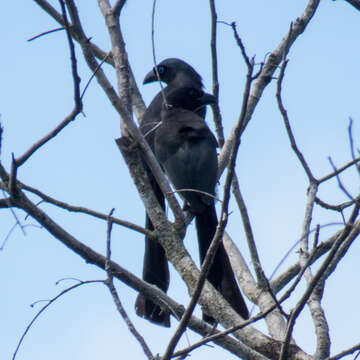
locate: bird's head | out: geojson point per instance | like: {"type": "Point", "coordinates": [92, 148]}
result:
{"type": "Point", "coordinates": [188, 98]}
{"type": "Point", "coordinates": [174, 71]}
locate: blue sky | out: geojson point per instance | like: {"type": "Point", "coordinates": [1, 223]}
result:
{"type": "Point", "coordinates": [82, 166]}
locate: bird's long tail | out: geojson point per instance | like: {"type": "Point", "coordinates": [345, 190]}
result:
{"type": "Point", "coordinates": [221, 274]}
{"type": "Point", "coordinates": [155, 271]}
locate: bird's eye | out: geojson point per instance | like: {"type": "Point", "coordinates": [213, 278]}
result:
{"type": "Point", "coordinates": [161, 69]}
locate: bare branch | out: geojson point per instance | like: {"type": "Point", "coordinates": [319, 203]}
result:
{"type": "Point", "coordinates": [4, 203]}
{"type": "Point", "coordinates": [266, 75]}
{"type": "Point", "coordinates": [78, 104]}
{"type": "Point", "coordinates": [316, 278]}
{"type": "Point", "coordinates": [110, 284]}
{"type": "Point", "coordinates": [339, 207]}
{"type": "Point", "coordinates": [215, 79]}
{"type": "Point", "coordinates": [249, 233]}
{"type": "Point", "coordinates": [338, 171]}
{"type": "Point", "coordinates": [75, 75]}
{"type": "Point", "coordinates": [287, 122]}
{"type": "Point", "coordinates": [46, 33]}
{"type": "Point", "coordinates": [354, 3]}
{"type": "Point", "coordinates": [137, 101]}
{"type": "Point", "coordinates": [120, 55]}
{"type": "Point", "coordinates": [124, 113]}
{"type": "Point", "coordinates": [20, 160]}
{"type": "Point", "coordinates": [345, 352]}
{"type": "Point", "coordinates": [51, 301]}
{"type": "Point", "coordinates": [315, 254]}
{"type": "Point", "coordinates": [118, 7]}
{"type": "Point", "coordinates": [93, 75]}
{"type": "Point", "coordinates": [241, 45]}
{"type": "Point", "coordinates": [152, 292]}
{"type": "Point", "coordinates": [208, 260]}
{"type": "Point", "coordinates": [351, 143]}
{"type": "Point", "coordinates": [8, 236]}
{"type": "Point", "coordinates": [341, 186]}
{"type": "Point", "coordinates": [342, 250]}
{"type": "Point", "coordinates": [84, 210]}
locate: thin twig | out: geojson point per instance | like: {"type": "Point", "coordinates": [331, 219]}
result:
{"type": "Point", "coordinates": [339, 207]}
{"type": "Point", "coordinates": [215, 78]}
{"type": "Point", "coordinates": [93, 75]}
{"type": "Point", "coordinates": [210, 255]}
{"type": "Point", "coordinates": [17, 220]}
{"type": "Point", "coordinates": [351, 143]}
{"type": "Point", "coordinates": [84, 210]}
{"type": "Point", "coordinates": [240, 44]}
{"type": "Point", "coordinates": [78, 104]}
{"type": "Point", "coordinates": [293, 270]}
{"type": "Point", "coordinates": [315, 280]}
{"type": "Point", "coordinates": [340, 184]}
{"type": "Point", "coordinates": [249, 233]}
{"type": "Point", "coordinates": [339, 170]}
{"type": "Point", "coordinates": [266, 75]}
{"type": "Point", "coordinates": [124, 113]}
{"type": "Point", "coordinates": [75, 75]}
{"type": "Point", "coordinates": [283, 111]}
{"type": "Point", "coordinates": [345, 352]}
{"type": "Point", "coordinates": [51, 301]}
{"type": "Point", "coordinates": [252, 320]}
{"type": "Point", "coordinates": [154, 52]}
{"type": "Point", "coordinates": [8, 236]}
{"type": "Point", "coordinates": [46, 33]}
{"type": "Point", "coordinates": [196, 191]}
{"type": "Point", "coordinates": [109, 282]}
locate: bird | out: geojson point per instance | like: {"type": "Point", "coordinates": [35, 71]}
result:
{"type": "Point", "coordinates": [175, 73]}
{"type": "Point", "coordinates": [187, 150]}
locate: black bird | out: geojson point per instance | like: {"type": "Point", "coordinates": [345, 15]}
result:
{"type": "Point", "coordinates": [186, 148]}
{"type": "Point", "coordinates": [175, 73]}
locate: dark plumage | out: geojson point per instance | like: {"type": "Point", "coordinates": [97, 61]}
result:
{"type": "Point", "coordinates": [186, 148]}
{"type": "Point", "coordinates": [175, 73]}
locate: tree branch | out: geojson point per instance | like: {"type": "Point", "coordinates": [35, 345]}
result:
{"type": "Point", "coordinates": [84, 210]}
{"type": "Point", "coordinates": [77, 99]}
{"type": "Point", "coordinates": [118, 6]}
{"type": "Point", "coordinates": [316, 278]}
{"type": "Point", "coordinates": [125, 115]}
{"type": "Point", "coordinates": [137, 101]}
{"type": "Point", "coordinates": [354, 3]}
{"type": "Point", "coordinates": [345, 352]}
{"type": "Point", "coordinates": [109, 282]}
{"type": "Point", "coordinates": [215, 79]}
{"type": "Point", "coordinates": [51, 301]}
{"type": "Point", "coordinates": [266, 75]}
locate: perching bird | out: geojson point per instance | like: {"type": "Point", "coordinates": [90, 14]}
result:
{"type": "Point", "coordinates": [186, 148]}
{"type": "Point", "coordinates": [175, 73]}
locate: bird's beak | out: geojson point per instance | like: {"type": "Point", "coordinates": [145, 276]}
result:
{"type": "Point", "coordinates": [208, 99]}
{"type": "Point", "coordinates": [150, 77]}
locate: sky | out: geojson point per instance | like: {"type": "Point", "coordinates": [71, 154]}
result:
{"type": "Point", "coordinates": [82, 165]}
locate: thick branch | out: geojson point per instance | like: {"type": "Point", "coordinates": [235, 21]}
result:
{"type": "Point", "coordinates": [124, 113]}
